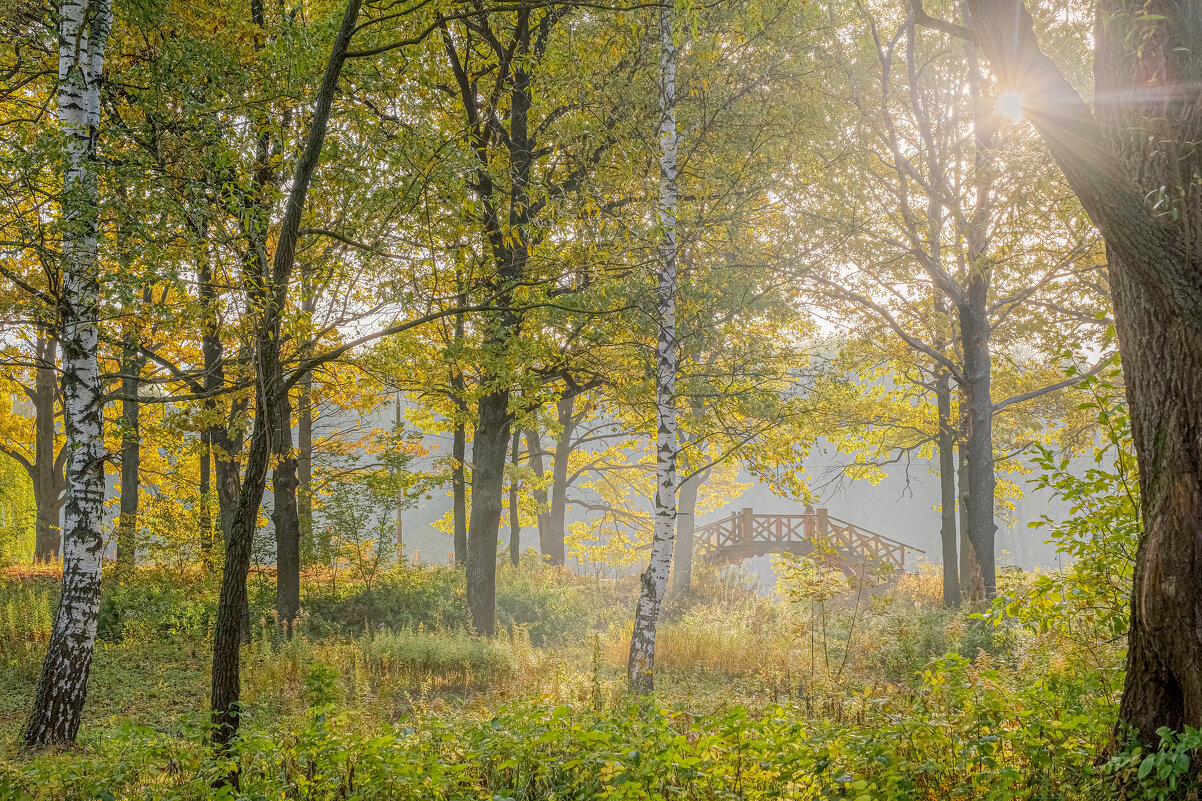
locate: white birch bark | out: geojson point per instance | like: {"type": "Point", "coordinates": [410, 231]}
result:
{"type": "Point", "coordinates": [83, 34]}
{"type": "Point", "coordinates": [655, 579]}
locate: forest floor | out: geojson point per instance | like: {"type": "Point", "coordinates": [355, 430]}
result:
{"type": "Point", "coordinates": [382, 694]}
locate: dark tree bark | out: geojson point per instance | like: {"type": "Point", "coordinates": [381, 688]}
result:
{"type": "Point", "coordinates": [284, 516]}
{"type": "Point", "coordinates": [489, 447]}
{"type": "Point", "coordinates": [267, 296]}
{"type": "Point", "coordinates": [127, 520]}
{"type": "Point", "coordinates": [515, 523]}
{"type": "Point", "coordinates": [205, 512]}
{"type": "Point", "coordinates": [1133, 168]}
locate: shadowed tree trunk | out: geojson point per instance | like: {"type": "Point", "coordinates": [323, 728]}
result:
{"type": "Point", "coordinates": [1134, 169]}
{"type": "Point", "coordinates": [686, 521]}
{"type": "Point", "coordinates": [489, 447]}
{"type": "Point", "coordinates": [47, 473]}
{"type": "Point", "coordinates": [62, 687]}
{"type": "Point", "coordinates": [284, 516]}
{"type": "Point", "coordinates": [535, 446]}
{"type": "Point", "coordinates": [267, 296]}
{"type": "Point", "coordinates": [515, 523]}
{"type": "Point", "coordinates": [459, 492]}
{"type": "Point", "coordinates": [555, 552]}
{"type": "Point", "coordinates": [127, 521]}
{"type": "Point", "coordinates": [654, 580]}
{"type": "Point", "coordinates": [947, 490]}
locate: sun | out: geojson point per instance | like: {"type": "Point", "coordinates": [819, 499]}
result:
{"type": "Point", "coordinates": [1010, 105]}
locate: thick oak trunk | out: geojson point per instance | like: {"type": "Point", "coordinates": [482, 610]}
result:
{"type": "Point", "coordinates": [489, 447]}
{"type": "Point", "coordinates": [1134, 167]}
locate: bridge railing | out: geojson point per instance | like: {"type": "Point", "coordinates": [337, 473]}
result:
{"type": "Point", "coordinates": [743, 529]}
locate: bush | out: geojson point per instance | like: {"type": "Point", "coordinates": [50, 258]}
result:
{"type": "Point", "coordinates": [401, 598]}
{"type": "Point", "coordinates": [453, 658]}
{"type": "Point", "coordinates": [545, 603]}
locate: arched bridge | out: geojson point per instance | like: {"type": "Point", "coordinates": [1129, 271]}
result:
{"type": "Point", "coordinates": [745, 534]}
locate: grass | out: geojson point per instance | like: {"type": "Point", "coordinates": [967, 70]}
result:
{"type": "Point", "coordinates": [884, 697]}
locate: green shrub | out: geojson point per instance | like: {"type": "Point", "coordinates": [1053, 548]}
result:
{"type": "Point", "coordinates": [401, 598]}
{"type": "Point", "coordinates": [545, 602]}
{"type": "Point", "coordinates": [445, 657]}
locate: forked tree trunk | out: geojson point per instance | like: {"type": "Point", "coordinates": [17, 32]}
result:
{"type": "Point", "coordinates": [975, 332]}
{"type": "Point", "coordinates": [654, 581]}
{"type": "Point", "coordinates": [62, 688]}
{"type": "Point", "coordinates": [489, 447]}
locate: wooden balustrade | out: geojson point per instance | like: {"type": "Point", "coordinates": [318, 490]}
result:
{"type": "Point", "coordinates": [814, 532]}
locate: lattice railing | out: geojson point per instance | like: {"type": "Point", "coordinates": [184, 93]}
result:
{"type": "Point", "coordinates": [745, 533]}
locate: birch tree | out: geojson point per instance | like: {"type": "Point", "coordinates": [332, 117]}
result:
{"type": "Point", "coordinates": [83, 34]}
{"type": "Point", "coordinates": [654, 580]}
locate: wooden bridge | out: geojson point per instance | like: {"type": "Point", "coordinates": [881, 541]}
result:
{"type": "Point", "coordinates": [815, 533]}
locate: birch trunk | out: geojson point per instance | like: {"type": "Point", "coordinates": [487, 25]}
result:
{"type": "Point", "coordinates": [83, 34]}
{"type": "Point", "coordinates": [654, 580]}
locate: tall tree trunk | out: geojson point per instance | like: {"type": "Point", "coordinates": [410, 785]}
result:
{"type": "Point", "coordinates": [48, 475]}
{"type": "Point", "coordinates": [972, 586]}
{"type": "Point", "coordinates": [515, 523]}
{"type": "Point", "coordinates": [534, 446]}
{"type": "Point", "coordinates": [654, 580]}
{"type": "Point", "coordinates": [400, 499]}
{"type": "Point", "coordinates": [556, 553]}
{"type": "Point", "coordinates": [489, 447]}
{"type": "Point", "coordinates": [1134, 169]}
{"type": "Point", "coordinates": [267, 297]}
{"type": "Point", "coordinates": [205, 510]}
{"type": "Point", "coordinates": [459, 491]}
{"type": "Point", "coordinates": [975, 332]}
{"type": "Point", "coordinates": [284, 516]}
{"type": "Point", "coordinates": [686, 521]}
{"type": "Point", "coordinates": [304, 422]}
{"type": "Point", "coordinates": [127, 521]}
{"type": "Point", "coordinates": [83, 34]}
{"type": "Point", "coordinates": [948, 533]}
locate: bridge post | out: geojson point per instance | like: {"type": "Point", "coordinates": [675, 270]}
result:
{"type": "Point", "coordinates": [745, 524]}
{"type": "Point", "coordinates": [824, 522]}
{"type": "Point", "coordinates": [808, 523]}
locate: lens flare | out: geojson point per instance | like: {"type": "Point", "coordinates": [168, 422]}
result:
{"type": "Point", "coordinates": [1010, 105]}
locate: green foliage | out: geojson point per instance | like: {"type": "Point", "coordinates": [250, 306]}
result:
{"type": "Point", "coordinates": [454, 658]}
{"type": "Point", "coordinates": [1160, 774]}
{"type": "Point", "coordinates": [401, 598]}
{"type": "Point", "coordinates": [143, 610]}
{"type": "Point", "coordinates": [541, 602]}
{"type": "Point", "coordinates": [1097, 539]}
